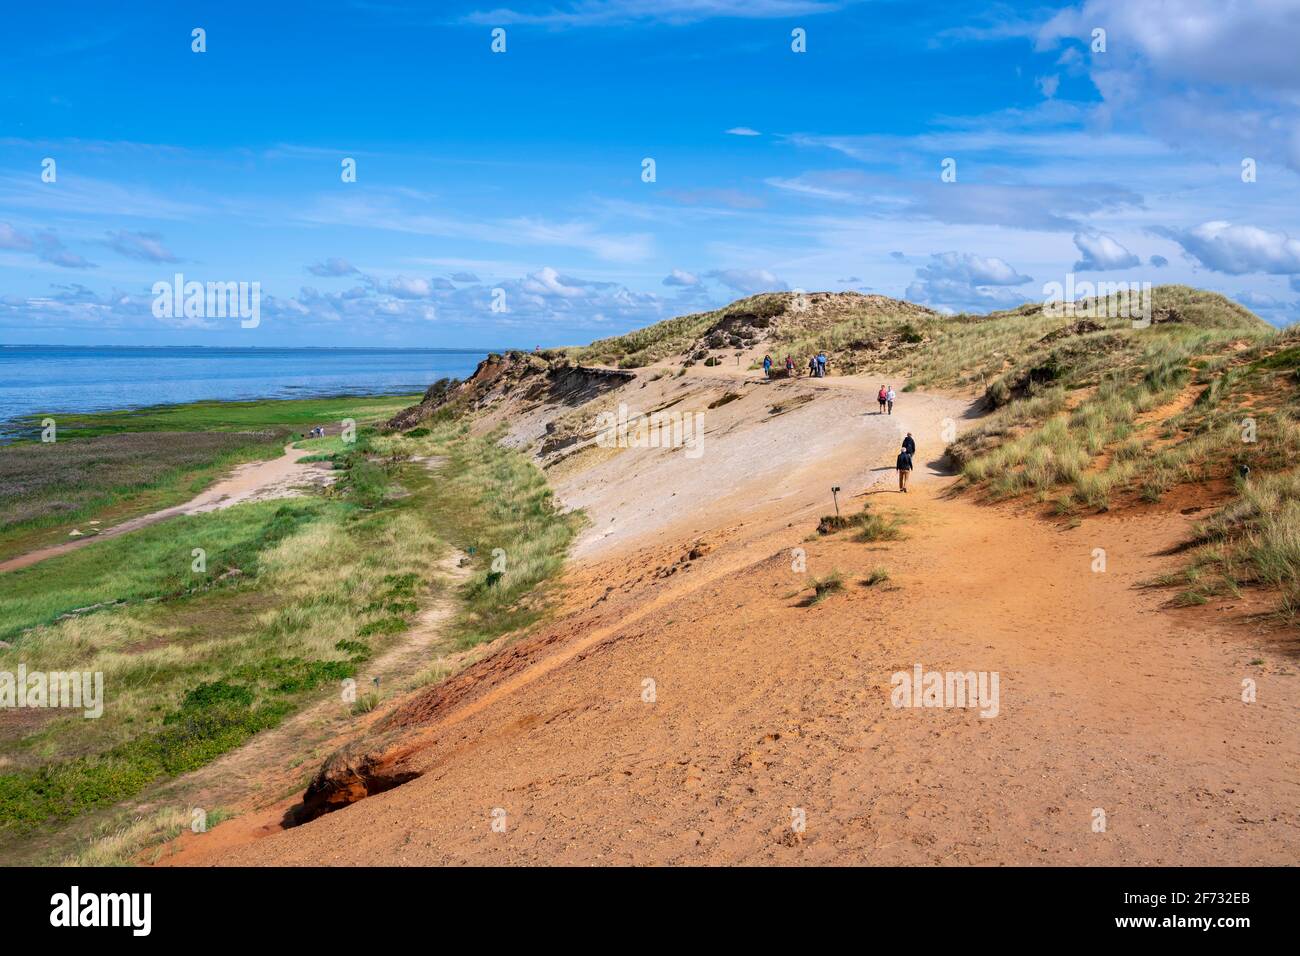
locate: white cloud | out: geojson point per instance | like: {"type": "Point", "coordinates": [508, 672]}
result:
{"type": "Point", "coordinates": [405, 287]}
{"type": "Point", "coordinates": [332, 267]}
{"type": "Point", "coordinates": [973, 270]}
{"type": "Point", "coordinates": [963, 281]}
{"type": "Point", "coordinates": [748, 281]}
{"type": "Point", "coordinates": [1101, 251]}
{"type": "Point", "coordinates": [1236, 249]}
{"type": "Point", "coordinates": [679, 277]}
{"type": "Point", "coordinates": [743, 131]}
{"type": "Point", "coordinates": [546, 281]}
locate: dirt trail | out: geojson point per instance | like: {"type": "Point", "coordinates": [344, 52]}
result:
{"type": "Point", "coordinates": [254, 481]}
{"type": "Point", "coordinates": [764, 704]}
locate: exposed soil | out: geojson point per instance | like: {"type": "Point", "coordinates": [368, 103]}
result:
{"type": "Point", "coordinates": [688, 698]}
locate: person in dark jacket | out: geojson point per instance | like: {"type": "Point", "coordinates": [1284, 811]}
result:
{"type": "Point", "coordinates": [909, 444]}
{"type": "Point", "coordinates": [904, 466]}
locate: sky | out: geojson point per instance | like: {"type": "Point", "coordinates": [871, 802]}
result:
{"type": "Point", "coordinates": [504, 199]}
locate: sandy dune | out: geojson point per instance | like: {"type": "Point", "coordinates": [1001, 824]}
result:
{"type": "Point", "coordinates": [764, 705]}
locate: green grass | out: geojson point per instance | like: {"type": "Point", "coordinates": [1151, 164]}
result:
{"type": "Point", "coordinates": [824, 587]}
{"type": "Point", "coordinates": [48, 489]}
{"type": "Point", "coordinates": [874, 527]}
{"type": "Point", "coordinates": [192, 670]}
{"type": "Point", "coordinates": [287, 414]}
{"type": "Point", "coordinates": [155, 562]}
{"type": "Point", "coordinates": [672, 336]}
{"type": "Point", "coordinates": [491, 497]}
{"type": "Point", "coordinates": [111, 466]}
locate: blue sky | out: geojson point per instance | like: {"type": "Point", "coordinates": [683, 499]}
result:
{"type": "Point", "coordinates": [522, 171]}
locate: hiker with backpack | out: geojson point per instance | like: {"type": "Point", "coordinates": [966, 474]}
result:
{"type": "Point", "coordinates": [821, 364]}
{"type": "Point", "coordinates": [880, 397]}
{"type": "Point", "coordinates": [812, 366]}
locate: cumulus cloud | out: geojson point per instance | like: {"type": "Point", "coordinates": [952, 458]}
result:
{"type": "Point", "coordinates": [1202, 71]}
{"type": "Point", "coordinates": [1239, 249]}
{"type": "Point", "coordinates": [970, 269]}
{"type": "Point", "coordinates": [1100, 251]}
{"type": "Point", "coordinates": [748, 281]}
{"type": "Point", "coordinates": [963, 281]}
{"type": "Point", "coordinates": [145, 246]}
{"type": "Point", "coordinates": [679, 277]}
{"type": "Point", "coordinates": [405, 287]}
{"type": "Point", "coordinates": [463, 277]}
{"type": "Point", "coordinates": [546, 281]}
{"type": "Point", "coordinates": [743, 131]}
{"type": "Point", "coordinates": [332, 267]}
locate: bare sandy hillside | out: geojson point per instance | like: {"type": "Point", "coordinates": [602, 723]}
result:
{"type": "Point", "coordinates": [692, 702]}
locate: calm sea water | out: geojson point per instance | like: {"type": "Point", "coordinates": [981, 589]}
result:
{"type": "Point", "coordinates": [39, 380]}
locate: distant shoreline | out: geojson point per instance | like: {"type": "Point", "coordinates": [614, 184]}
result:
{"type": "Point", "coordinates": [261, 348]}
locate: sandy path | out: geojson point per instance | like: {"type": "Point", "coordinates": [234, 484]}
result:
{"type": "Point", "coordinates": [763, 704]}
{"type": "Point", "coordinates": [255, 481]}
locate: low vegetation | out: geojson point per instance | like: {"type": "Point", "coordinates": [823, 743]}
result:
{"type": "Point", "coordinates": [291, 598]}
{"type": "Point", "coordinates": [824, 587]}
{"type": "Point", "coordinates": [111, 466]}
{"type": "Point", "coordinates": [494, 504]}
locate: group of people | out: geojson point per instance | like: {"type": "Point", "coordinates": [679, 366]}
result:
{"type": "Point", "coordinates": [318, 432]}
{"type": "Point", "coordinates": [816, 366]}
{"type": "Point", "coordinates": [886, 398]}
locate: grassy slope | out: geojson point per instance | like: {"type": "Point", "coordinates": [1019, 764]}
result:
{"type": "Point", "coordinates": [112, 466]}
{"type": "Point", "coordinates": [195, 663]}
{"type": "Point", "coordinates": [672, 336]}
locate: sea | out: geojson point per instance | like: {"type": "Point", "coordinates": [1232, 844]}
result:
{"type": "Point", "coordinates": [48, 380]}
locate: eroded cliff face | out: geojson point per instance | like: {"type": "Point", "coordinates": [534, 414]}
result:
{"type": "Point", "coordinates": [529, 380]}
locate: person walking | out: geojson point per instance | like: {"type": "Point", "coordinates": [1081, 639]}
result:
{"type": "Point", "coordinates": [789, 366]}
{"type": "Point", "coordinates": [767, 366]}
{"type": "Point", "coordinates": [889, 399]}
{"type": "Point", "coordinates": [904, 466]}
{"type": "Point", "coordinates": [909, 444]}
{"type": "Point", "coordinates": [880, 397]}
{"type": "Point", "coordinates": [812, 366]}
{"type": "Point", "coordinates": [821, 364]}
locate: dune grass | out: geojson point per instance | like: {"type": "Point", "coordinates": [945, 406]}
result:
{"type": "Point", "coordinates": [494, 504]}
{"type": "Point", "coordinates": [823, 587]}
{"type": "Point", "coordinates": [876, 527]}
